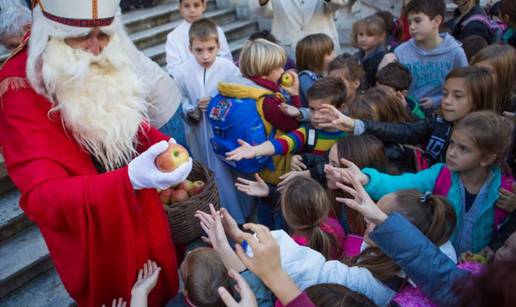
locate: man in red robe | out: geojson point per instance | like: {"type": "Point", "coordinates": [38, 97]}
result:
{"type": "Point", "coordinates": [75, 138]}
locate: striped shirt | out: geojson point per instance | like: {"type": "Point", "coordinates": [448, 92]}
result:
{"type": "Point", "coordinates": [306, 139]}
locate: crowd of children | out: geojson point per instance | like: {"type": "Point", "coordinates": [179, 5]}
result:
{"type": "Point", "coordinates": [392, 173]}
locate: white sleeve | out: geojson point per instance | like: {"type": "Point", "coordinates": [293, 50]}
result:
{"type": "Point", "coordinates": [308, 267]}
{"type": "Point", "coordinates": [173, 53]}
{"type": "Point", "coordinates": [257, 9]}
{"type": "Point", "coordinates": [224, 50]}
{"type": "Point", "coordinates": [335, 5]}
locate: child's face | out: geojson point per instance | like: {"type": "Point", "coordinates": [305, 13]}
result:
{"type": "Point", "coordinates": [205, 51]}
{"type": "Point", "coordinates": [192, 10]}
{"type": "Point", "coordinates": [508, 250]}
{"type": "Point", "coordinates": [315, 105]}
{"type": "Point", "coordinates": [275, 74]}
{"type": "Point", "coordinates": [421, 27]}
{"type": "Point", "coordinates": [456, 102]}
{"type": "Point", "coordinates": [463, 154]}
{"type": "Point", "coordinates": [368, 42]}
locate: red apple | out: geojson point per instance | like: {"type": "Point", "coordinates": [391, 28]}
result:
{"type": "Point", "coordinates": [186, 185]}
{"type": "Point", "coordinates": [172, 158]}
{"type": "Point", "coordinates": [197, 187]}
{"type": "Point", "coordinates": [178, 195]}
{"type": "Point", "coordinates": [164, 196]}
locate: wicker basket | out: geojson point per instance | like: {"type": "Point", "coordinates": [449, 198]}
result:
{"type": "Point", "coordinates": [185, 227]}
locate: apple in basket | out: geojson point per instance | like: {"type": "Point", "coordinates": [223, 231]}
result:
{"type": "Point", "coordinates": [185, 185]}
{"type": "Point", "coordinates": [179, 195]}
{"type": "Point", "coordinates": [197, 187]}
{"type": "Point", "coordinates": [165, 195]}
{"type": "Point", "coordinates": [287, 80]}
{"type": "Point", "coordinates": [172, 158]}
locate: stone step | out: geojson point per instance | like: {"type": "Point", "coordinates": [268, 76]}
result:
{"type": "Point", "coordinates": [12, 218]}
{"type": "Point", "coordinates": [143, 19]}
{"type": "Point", "coordinates": [6, 184]}
{"type": "Point", "coordinates": [234, 32]}
{"type": "Point", "coordinates": [156, 35]}
{"type": "Point", "coordinates": [43, 291]}
{"type": "Point", "coordinates": [24, 256]}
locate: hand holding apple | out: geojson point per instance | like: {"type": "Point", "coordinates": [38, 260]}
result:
{"type": "Point", "coordinates": [287, 80]}
{"type": "Point", "coordinates": [291, 85]}
{"type": "Point", "coordinates": [172, 158]}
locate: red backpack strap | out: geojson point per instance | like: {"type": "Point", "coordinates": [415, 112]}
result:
{"type": "Point", "coordinates": [500, 214]}
{"type": "Point", "coordinates": [443, 182]}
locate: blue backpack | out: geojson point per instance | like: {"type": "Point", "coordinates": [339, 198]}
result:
{"type": "Point", "coordinates": [239, 116]}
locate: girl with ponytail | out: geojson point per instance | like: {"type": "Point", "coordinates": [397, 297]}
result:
{"type": "Point", "coordinates": [306, 208]}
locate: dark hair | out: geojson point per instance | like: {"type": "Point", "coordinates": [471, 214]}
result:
{"type": "Point", "coordinates": [395, 75]}
{"type": "Point", "coordinates": [393, 25]}
{"type": "Point", "coordinates": [305, 206]}
{"type": "Point", "coordinates": [203, 1]}
{"type": "Point", "coordinates": [431, 8]}
{"type": "Point", "coordinates": [334, 295]}
{"type": "Point", "coordinates": [493, 287]}
{"type": "Point", "coordinates": [379, 103]}
{"type": "Point", "coordinates": [328, 87]}
{"type": "Point", "coordinates": [311, 50]}
{"type": "Point", "coordinates": [203, 29]}
{"type": "Point", "coordinates": [508, 7]}
{"type": "Point", "coordinates": [491, 133]}
{"type": "Point", "coordinates": [364, 151]}
{"type": "Point", "coordinates": [435, 218]}
{"type": "Point", "coordinates": [472, 44]}
{"type": "Point", "coordinates": [265, 34]}
{"type": "Point", "coordinates": [205, 274]}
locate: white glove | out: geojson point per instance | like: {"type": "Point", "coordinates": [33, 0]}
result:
{"type": "Point", "coordinates": [144, 174]}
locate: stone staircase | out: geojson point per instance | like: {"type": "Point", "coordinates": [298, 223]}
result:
{"type": "Point", "coordinates": [27, 275]}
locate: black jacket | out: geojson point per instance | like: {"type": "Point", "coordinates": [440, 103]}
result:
{"type": "Point", "coordinates": [461, 30]}
{"type": "Point", "coordinates": [434, 133]}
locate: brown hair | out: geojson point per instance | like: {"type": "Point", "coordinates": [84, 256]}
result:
{"type": "Point", "coordinates": [347, 67]}
{"type": "Point", "coordinates": [502, 58]}
{"type": "Point", "coordinates": [328, 87]}
{"type": "Point", "coordinates": [468, 5]}
{"type": "Point", "coordinates": [334, 295]}
{"type": "Point", "coordinates": [434, 217]}
{"type": "Point", "coordinates": [472, 44]}
{"type": "Point", "coordinates": [431, 8]}
{"type": "Point", "coordinates": [259, 57]}
{"type": "Point", "coordinates": [311, 50]}
{"type": "Point", "coordinates": [305, 206]}
{"type": "Point", "coordinates": [491, 133]}
{"type": "Point", "coordinates": [379, 103]}
{"type": "Point", "coordinates": [205, 273]}
{"type": "Point", "coordinates": [364, 151]}
{"type": "Point", "coordinates": [395, 75]}
{"type": "Point", "coordinates": [373, 25]}
{"type": "Point", "coordinates": [508, 7]}
{"type": "Point", "coordinates": [203, 29]}
{"type": "Point", "coordinates": [479, 84]}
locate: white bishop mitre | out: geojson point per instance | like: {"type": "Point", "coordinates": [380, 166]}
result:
{"type": "Point", "coordinates": [80, 13]}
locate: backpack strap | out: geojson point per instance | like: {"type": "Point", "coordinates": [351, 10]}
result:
{"type": "Point", "coordinates": [443, 182]}
{"type": "Point", "coordinates": [310, 74]}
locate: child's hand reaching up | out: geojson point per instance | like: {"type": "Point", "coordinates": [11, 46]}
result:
{"type": "Point", "coordinates": [245, 151]}
{"type": "Point", "coordinates": [426, 103]}
{"type": "Point", "coordinates": [350, 170]}
{"type": "Point", "coordinates": [330, 117]}
{"type": "Point", "coordinates": [256, 188]}
{"type": "Point", "coordinates": [361, 202]}
{"type": "Point", "coordinates": [147, 279]}
{"type": "Point", "coordinates": [507, 199]}
{"type": "Point", "coordinates": [247, 297]}
{"type": "Point", "coordinates": [290, 110]}
{"type": "Point", "coordinates": [231, 227]}
{"type": "Point", "coordinates": [288, 177]}
{"type": "Point", "coordinates": [117, 303]}
{"type": "Point", "coordinates": [296, 163]}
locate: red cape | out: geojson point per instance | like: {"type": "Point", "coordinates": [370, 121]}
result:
{"type": "Point", "coordinates": [99, 231]}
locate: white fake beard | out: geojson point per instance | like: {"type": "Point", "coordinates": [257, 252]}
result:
{"type": "Point", "coordinates": [100, 99]}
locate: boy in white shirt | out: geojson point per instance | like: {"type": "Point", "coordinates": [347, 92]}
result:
{"type": "Point", "coordinates": [178, 46]}
{"type": "Point", "coordinates": [198, 78]}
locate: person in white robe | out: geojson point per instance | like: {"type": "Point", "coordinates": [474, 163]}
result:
{"type": "Point", "coordinates": [177, 48]}
{"type": "Point", "coordinates": [195, 83]}
{"type": "Point", "coordinates": [294, 19]}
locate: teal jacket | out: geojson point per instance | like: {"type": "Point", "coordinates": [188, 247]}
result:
{"type": "Point", "coordinates": [474, 230]}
